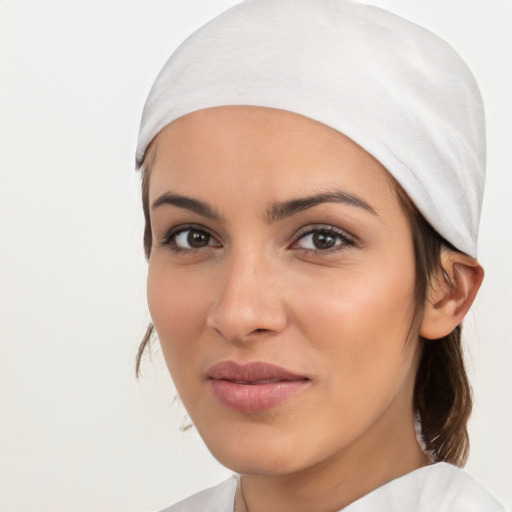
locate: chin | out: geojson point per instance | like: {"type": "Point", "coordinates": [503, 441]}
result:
{"type": "Point", "coordinates": [258, 451]}
{"type": "Point", "coordinates": [263, 462]}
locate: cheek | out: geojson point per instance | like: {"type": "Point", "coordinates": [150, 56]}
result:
{"type": "Point", "coordinates": [361, 319]}
{"type": "Point", "coordinates": [360, 331]}
{"type": "Point", "coordinates": [178, 302]}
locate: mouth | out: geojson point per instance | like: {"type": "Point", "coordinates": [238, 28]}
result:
{"type": "Point", "coordinates": [254, 386]}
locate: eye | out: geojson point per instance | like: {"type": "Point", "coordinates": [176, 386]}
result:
{"type": "Point", "coordinates": [189, 238]}
{"type": "Point", "coordinates": [323, 239]}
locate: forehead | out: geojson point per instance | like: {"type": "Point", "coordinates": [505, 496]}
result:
{"type": "Point", "coordinates": [256, 149]}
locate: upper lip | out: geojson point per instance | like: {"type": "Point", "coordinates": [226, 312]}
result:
{"type": "Point", "coordinates": [249, 372]}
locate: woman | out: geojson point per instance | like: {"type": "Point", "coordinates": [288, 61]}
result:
{"type": "Point", "coordinates": [312, 180]}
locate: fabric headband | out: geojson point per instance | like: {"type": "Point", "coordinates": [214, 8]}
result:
{"type": "Point", "coordinates": [396, 89]}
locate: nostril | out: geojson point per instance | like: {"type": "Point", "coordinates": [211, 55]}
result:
{"type": "Point", "coordinates": [239, 314]}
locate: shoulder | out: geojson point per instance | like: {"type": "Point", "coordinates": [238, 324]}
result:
{"type": "Point", "coordinates": [440, 487]}
{"type": "Point", "coordinates": [455, 490]}
{"type": "Point", "coordinates": [216, 499]}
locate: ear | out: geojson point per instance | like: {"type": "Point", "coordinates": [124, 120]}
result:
{"type": "Point", "coordinates": [451, 294]}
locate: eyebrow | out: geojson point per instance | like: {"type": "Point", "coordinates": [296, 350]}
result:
{"type": "Point", "coordinates": [277, 211]}
{"type": "Point", "coordinates": [288, 208]}
{"type": "Point", "coordinates": [194, 205]}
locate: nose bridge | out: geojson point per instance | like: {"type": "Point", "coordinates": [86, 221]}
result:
{"type": "Point", "coordinates": [248, 300]}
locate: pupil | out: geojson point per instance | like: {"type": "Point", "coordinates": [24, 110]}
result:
{"type": "Point", "coordinates": [197, 239]}
{"type": "Point", "coordinates": [323, 241]}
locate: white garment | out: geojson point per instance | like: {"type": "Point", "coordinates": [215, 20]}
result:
{"type": "Point", "coordinates": [394, 88]}
{"type": "Point", "coordinates": [439, 487]}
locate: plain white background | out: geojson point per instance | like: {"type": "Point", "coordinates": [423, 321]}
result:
{"type": "Point", "coordinates": [77, 431]}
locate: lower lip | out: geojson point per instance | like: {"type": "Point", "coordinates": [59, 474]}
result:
{"type": "Point", "coordinates": [252, 398]}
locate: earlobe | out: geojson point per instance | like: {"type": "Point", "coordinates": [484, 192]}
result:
{"type": "Point", "coordinates": [451, 294]}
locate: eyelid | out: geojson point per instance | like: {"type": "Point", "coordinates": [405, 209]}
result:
{"type": "Point", "coordinates": [348, 239]}
{"type": "Point", "coordinates": [169, 236]}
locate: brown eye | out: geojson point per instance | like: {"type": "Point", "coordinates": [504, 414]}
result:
{"type": "Point", "coordinates": [191, 238]}
{"type": "Point", "coordinates": [197, 239]}
{"type": "Point", "coordinates": [323, 240]}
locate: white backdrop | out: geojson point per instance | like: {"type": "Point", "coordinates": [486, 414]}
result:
{"type": "Point", "coordinates": [78, 433]}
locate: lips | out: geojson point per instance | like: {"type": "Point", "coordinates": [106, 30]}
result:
{"type": "Point", "coordinates": [253, 387]}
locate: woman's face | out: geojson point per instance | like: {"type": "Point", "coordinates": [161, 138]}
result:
{"type": "Point", "coordinates": [281, 286]}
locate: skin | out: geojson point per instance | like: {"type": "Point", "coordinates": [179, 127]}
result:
{"type": "Point", "coordinates": [259, 291]}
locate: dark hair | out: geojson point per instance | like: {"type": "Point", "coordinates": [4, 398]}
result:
{"type": "Point", "coordinates": [442, 393]}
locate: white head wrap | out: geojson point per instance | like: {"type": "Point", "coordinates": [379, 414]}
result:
{"type": "Point", "coordinates": [399, 91]}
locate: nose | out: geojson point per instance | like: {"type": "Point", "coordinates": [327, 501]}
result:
{"type": "Point", "coordinates": [250, 301]}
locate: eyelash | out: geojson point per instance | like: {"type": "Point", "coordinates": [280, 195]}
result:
{"type": "Point", "coordinates": [169, 240]}
{"type": "Point", "coordinates": [347, 241]}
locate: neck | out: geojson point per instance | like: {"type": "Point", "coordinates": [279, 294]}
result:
{"type": "Point", "coordinates": [386, 451]}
